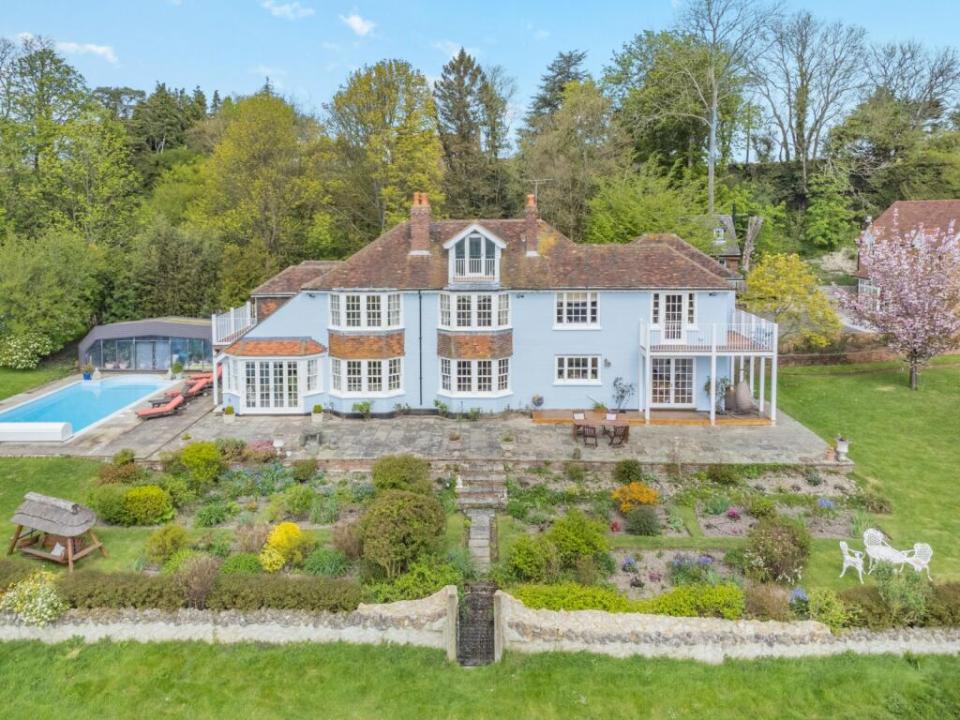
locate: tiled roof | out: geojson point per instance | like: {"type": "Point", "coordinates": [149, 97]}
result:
{"type": "Point", "coordinates": [275, 347]}
{"type": "Point", "coordinates": [647, 262]}
{"type": "Point", "coordinates": [289, 281]}
{"type": "Point", "coordinates": [909, 215]}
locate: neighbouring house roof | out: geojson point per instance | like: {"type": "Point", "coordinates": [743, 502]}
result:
{"type": "Point", "coordinates": [53, 515]}
{"type": "Point", "coordinates": [728, 246]}
{"type": "Point", "coordinates": [275, 347]}
{"type": "Point", "coordinates": [181, 327]}
{"type": "Point", "coordinates": [908, 217]}
{"type": "Point", "coordinates": [288, 282]}
{"type": "Point", "coordinates": [652, 261]}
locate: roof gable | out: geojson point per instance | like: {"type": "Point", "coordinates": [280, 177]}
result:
{"type": "Point", "coordinates": [471, 229]}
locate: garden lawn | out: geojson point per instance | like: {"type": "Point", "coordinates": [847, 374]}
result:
{"type": "Point", "coordinates": [905, 443]}
{"type": "Point", "coordinates": [175, 680]}
{"type": "Point", "coordinates": [16, 381]}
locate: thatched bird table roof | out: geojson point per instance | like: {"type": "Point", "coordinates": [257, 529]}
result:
{"type": "Point", "coordinates": [53, 515]}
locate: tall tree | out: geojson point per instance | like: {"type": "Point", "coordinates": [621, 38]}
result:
{"type": "Point", "coordinates": [808, 75]}
{"type": "Point", "coordinates": [565, 68]}
{"type": "Point", "coordinates": [925, 81]}
{"type": "Point", "coordinates": [828, 220]}
{"type": "Point", "coordinates": [918, 277]}
{"type": "Point", "coordinates": [386, 143]}
{"type": "Point", "coordinates": [726, 37]}
{"type": "Point", "coordinates": [574, 150]}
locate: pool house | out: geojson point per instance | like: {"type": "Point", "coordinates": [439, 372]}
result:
{"type": "Point", "coordinates": [152, 345]}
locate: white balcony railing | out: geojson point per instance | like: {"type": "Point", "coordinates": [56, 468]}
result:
{"type": "Point", "coordinates": [232, 324]}
{"type": "Point", "coordinates": [475, 267]}
{"type": "Point", "coordinates": [742, 333]}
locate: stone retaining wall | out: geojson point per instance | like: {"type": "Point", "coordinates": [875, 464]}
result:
{"type": "Point", "coordinates": [521, 629]}
{"type": "Point", "coordinates": [430, 622]}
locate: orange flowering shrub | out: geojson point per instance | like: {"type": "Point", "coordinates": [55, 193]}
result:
{"type": "Point", "coordinates": [633, 495]}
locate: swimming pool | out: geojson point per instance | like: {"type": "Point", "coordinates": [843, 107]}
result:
{"type": "Point", "coordinates": [79, 406]}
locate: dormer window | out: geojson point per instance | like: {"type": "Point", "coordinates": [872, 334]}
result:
{"type": "Point", "coordinates": [718, 235]}
{"type": "Point", "coordinates": [474, 256]}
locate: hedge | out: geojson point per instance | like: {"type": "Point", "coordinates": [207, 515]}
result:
{"type": "Point", "coordinates": [284, 592]}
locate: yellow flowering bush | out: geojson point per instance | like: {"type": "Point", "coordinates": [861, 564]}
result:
{"type": "Point", "coordinates": [633, 495]}
{"type": "Point", "coordinates": [287, 539]}
{"type": "Point", "coordinates": [271, 560]}
{"type": "Point", "coordinates": [34, 599]}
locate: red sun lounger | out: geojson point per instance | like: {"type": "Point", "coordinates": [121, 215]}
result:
{"type": "Point", "coordinates": [169, 409]}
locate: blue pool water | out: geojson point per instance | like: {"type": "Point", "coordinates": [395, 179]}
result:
{"type": "Point", "coordinates": [84, 403]}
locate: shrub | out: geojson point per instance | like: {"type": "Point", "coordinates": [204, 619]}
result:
{"type": "Point", "coordinates": [716, 505]}
{"type": "Point", "coordinates": [24, 351]}
{"type": "Point", "coordinates": [125, 456]}
{"type": "Point", "coordinates": [251, 537]}
{"type": "Point", "coordinates": [633, 495]}
{"type": "Point", "coordinates": [295, 502]}
{"type": "Point", "coordinates": [571, 596]}
{"type": "Point", "coordinates": [777, 550]}
{"type": "Point", "coordinates": [164, 542]}
{"type": "Point", "coordinates": [533, 559]}
{"type": "Point", "coordinates": [172, 462]}
{"type": "Point", "coordinates": [944, 608]}
{"type": "Point", "coordinates": [304, 470]}
{"type": "Point", "coordinates": [643, 520]}
{"type": "Point", "coordinates": [576, 536]}
{"type": "Point", "coordinates": [347, 538]}
{"type": "Point", "coordinates": [260, 451]}
{"type": "Point", "coordinates": [92, 589]}
{"type": "Point", "coordinates": [287, 540]}
{"type": "Point", "coordinates": [905, 594]}
{"type": "Point", "coordinates": [865, 608]}
{"type": "Point", "coordinates": [178, 489]}
{"type": "Point", "coordinates": [767, 602]}
{"type": "Point", "coordinates": [722, 474]}
{"type": "Point", "coordinates": [215, 513]}
{"type": "Point", "coordinates": [241, 564]}
{"type": "Point", "coordinates": [825, 606]}
{"type": "Point", "coordinates": [147, 505]}
{"type": "Point", "coordinates": [202, 460]}
{"type": "Point", "coordinates": [35, 599]}
{"type": "Point", "coordinates": [688, 570]}
{"type": "Point", "coordinates": [399, 527]}
{"type": "Point", "coordinates": [424, 577]}
{"type": "Point", "coordinates": [872, 501]}
{"type": "Point", "coordinates": [123, 474]}
{"type": "Point", "coordinates": [178, 559]}
{"type": "Point", "coordinates": [760, 507]}
{"type": "Point", "coordinates": [325, 509]}
{"type": "Point", "coordinates": [284, 592]}
{"type": "Point", "coordinates": [402, 472]}
{"type": "Point", "coordinates": [231, 449]}
{"type": "Point", "coordinates": [722, 601]}
{"type": "Point", "coordinates": [326, 562]}
{"type": "Point", "coordinates": [629, 471]}
{"type": "Point", "coordinates": [575, 472]}
{"type": "Point", "coordinates": [197, 578]}
{"type": "Point", "coordinates": [271, 560]}
{"type": "Point", "coordinates": [213, 543]}
{"type": "Point", "coordinates": [12, 572]}
{"type": "Point", "coordinates": [108, 502]}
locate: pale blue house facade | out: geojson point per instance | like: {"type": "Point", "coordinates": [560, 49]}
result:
{"type": "Point", "coordinates": [499, 315]}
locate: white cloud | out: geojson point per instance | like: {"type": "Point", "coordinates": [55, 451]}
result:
{"type": "Point", "coordinates": [287, 11]}
{"type": "Point", "coordinates": [359, 25]}
{"type": "Point", "coordinates": [104, 51]}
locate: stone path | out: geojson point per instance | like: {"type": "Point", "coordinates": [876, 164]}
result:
{"type": "Point", "coordinates": [481, 491]}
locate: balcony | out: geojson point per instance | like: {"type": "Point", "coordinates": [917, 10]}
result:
{"type": "Point", "coordinates": [233, 324]}
{"type": "Point", "coordinates": [742, 334]}
{"type": "Point", "coordinates": [475, 268]}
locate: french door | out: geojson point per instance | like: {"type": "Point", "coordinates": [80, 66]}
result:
{"type": "Point", "coordinates": [673, 317]}
{"type": "Point", "coordinates": [672, 384]}
{"type": "Point", "coordinates": [271, 385]}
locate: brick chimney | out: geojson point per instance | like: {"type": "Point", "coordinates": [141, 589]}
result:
{"type": "Point", "coordinates": [531, 227]}
{"type": "Point", "coordinates": [420, 225]}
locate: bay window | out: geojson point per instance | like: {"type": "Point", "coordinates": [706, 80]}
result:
{"type": "Point", "coordinates": [366, 377]}
{"type": "Point", "coordinates": [474, 377]}
{"type": "Point", "coordinates": [474, 311]}
{"type": "Point", "coordinates": [576, 309]}
{"type": "Point", "coordinates": [365, 311]}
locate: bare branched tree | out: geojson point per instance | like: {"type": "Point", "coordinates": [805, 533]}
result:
{"type": "Point", "coordinates": [928, 81]}
{"type": "Point", "coordinates": [809, 72]}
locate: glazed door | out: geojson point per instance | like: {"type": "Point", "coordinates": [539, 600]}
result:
{"type": "Point", "coordinates": [672, 382]}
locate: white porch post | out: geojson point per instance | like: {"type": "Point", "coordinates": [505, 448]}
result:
{"type": "Point", "coordinates": [648, 371]}
{"type": "Point", "coordinates": [773, 378]}
{"type": "Point", "coordinates": [750, 374]}
{"type": "Point", "coordinates": [763, 382]}
{"type": "Point", "coordinates": [216, 385]}
{"type": "Point", "coordinates": [713, 377]}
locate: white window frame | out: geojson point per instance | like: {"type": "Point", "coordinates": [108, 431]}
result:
{"type": "Point", "coordinates": [385, 383]}
{"type": "Point", "coordinates": [312, 376]}
{"type": "Point", "coordinates": [562, 368]}
{"type": "Point", "coordinates": [450, 313]}
{"type": "Point", "coordinates": [249, 385]}
{"type": "Point", "coordinates": [498, 377]}
{"type": "Point", "coordinates": [459, 272]}
{"type": "Point", "coordinates": [561, 304]}
{"type": "Point", "coordinates": [386, 307]}
{"type": "Point", "coordinates": [689, 308]}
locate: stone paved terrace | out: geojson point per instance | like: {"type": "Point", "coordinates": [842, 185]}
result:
{"type": "Point", "coordinates": [513, 437]}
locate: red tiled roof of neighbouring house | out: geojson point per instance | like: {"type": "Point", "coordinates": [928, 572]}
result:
{"type": "Point", "coordinates": [288, 282]}
{"type": "Point", "coordinates": [653, 261]}
{"type": "Point", "coordinates": [275, 347]}
{"type": "Point", "coordinates": [908, 216]}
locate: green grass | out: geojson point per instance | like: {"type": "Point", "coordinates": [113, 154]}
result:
{"type": "Point", "coordinates": [176, 680]}
{"type": "Point", "coordinates": [16, 381]}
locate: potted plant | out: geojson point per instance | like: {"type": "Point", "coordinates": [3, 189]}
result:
{"type": "Point", "coordinates": [843, 447]}
{"type": "Point", "coordinates": [316, 414]}
{"type": "Point", "coordinates": [537, 400]}
{"type": "Point", "coordinates": [229, 415]}
{"type": "Point", "coordinates": [88, 370]}
{"type": "Point", "coordinates": [177, 369]}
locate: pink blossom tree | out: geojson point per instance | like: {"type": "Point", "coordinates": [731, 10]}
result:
{"type": "Point", "coordinates": [918, 276]}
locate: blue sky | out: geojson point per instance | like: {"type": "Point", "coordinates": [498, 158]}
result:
{"type": "Point", "coordinates": [308, 47]}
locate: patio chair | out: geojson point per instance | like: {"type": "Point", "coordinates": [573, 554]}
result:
{"type": "Point", "coordinates": [619, 435]}
{"type": "Point", "coordinates": [877, 548]}
{"type": "Point", "coordinates": [610, 417]}
{"type": "Point", "coordinates": [171, 408]}
{"type": "Point", "coordinates": [851, 559]}
{"type": "Point", "coordinates": [918, 558]}
{"type": "Point", "coordinates": [579, 420]}
{"type": "Point", "coordinates": [590, 435]}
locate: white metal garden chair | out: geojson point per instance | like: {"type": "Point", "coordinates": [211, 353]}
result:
{"type": "Point", "coordinates": [879, 550]}
{"type": "Point", "coordinates": [851, 559]}
{"type": "Point", "coordinates": [918, 558]}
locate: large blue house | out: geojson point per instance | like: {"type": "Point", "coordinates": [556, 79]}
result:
{"type": "Point", "coordinates": [496, 315]}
